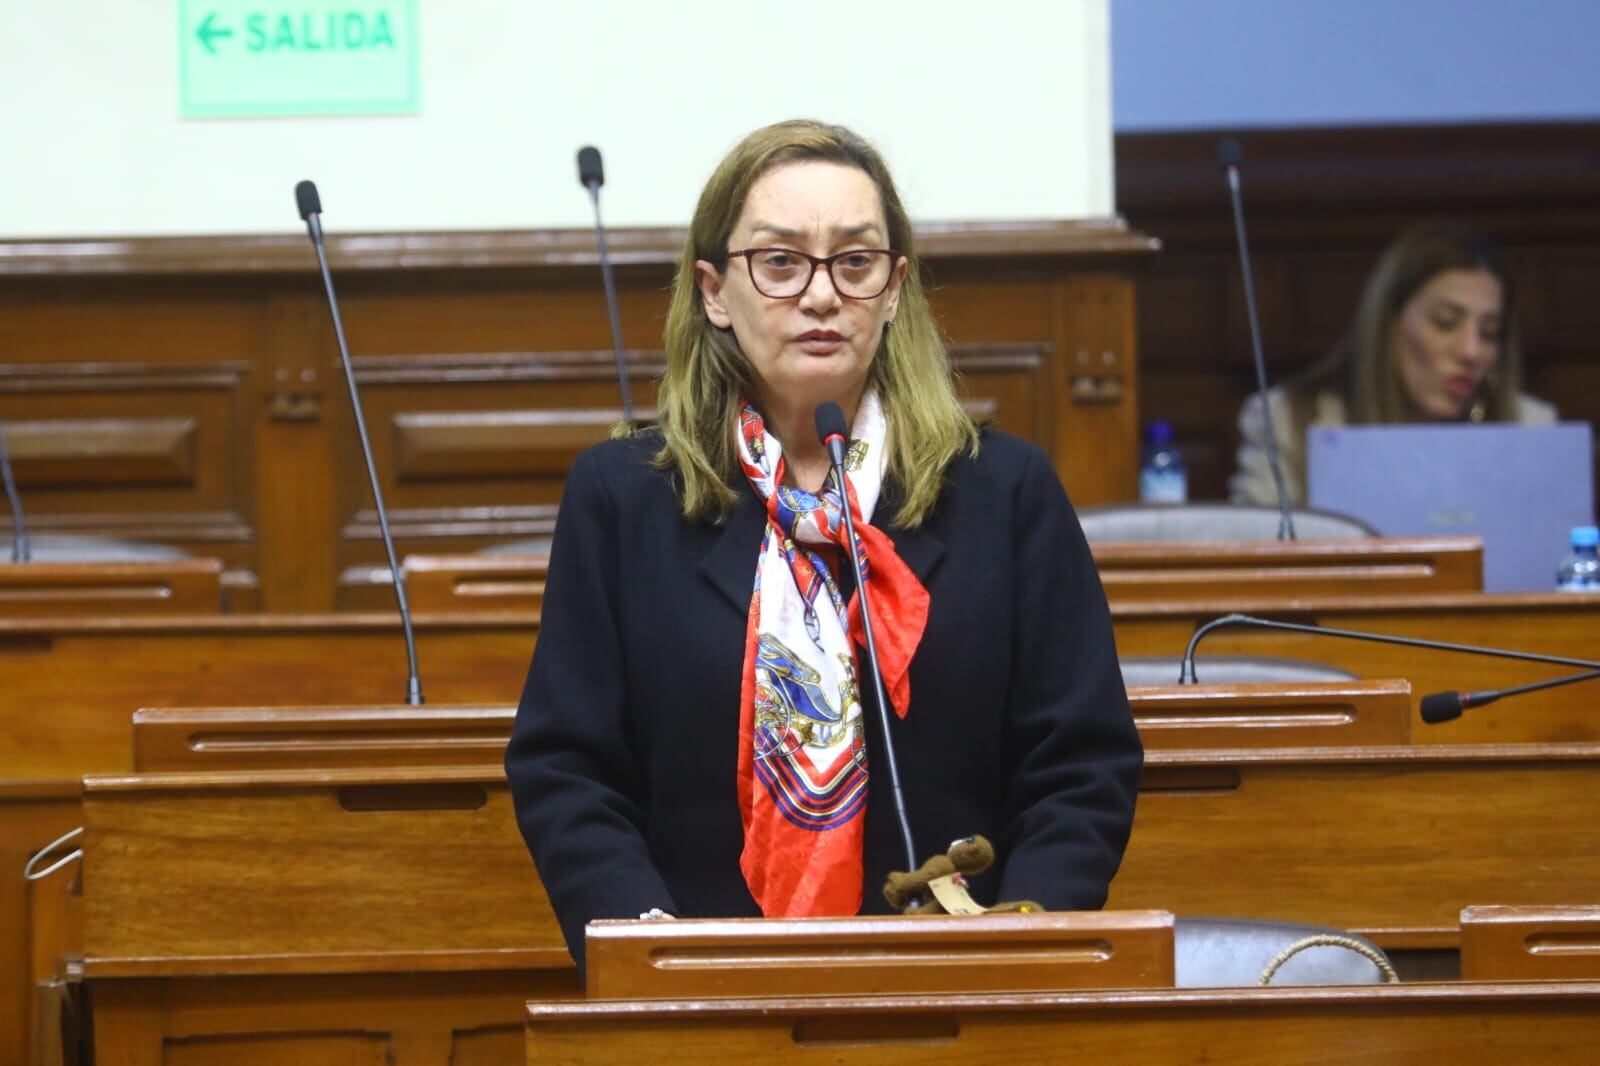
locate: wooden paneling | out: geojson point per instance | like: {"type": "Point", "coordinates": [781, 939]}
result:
{"type": "Point", "coordinates": [119, 440]}
{"type": "Point", "coordinates": [198, 377]}
{"type": "Point", "coordinates": [1321, 204]}
{"type": "Point", "coordinates": [102, 452]}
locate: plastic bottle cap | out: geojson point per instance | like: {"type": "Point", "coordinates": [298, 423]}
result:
{"type": "Point", "coordinates": [1586, 536]}
{"type": "Point", "coordinates": [1159, 433]}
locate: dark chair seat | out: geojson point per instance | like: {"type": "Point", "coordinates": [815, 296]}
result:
{"type": "Point", "coordinates": [1124, 522]}
{"type": "Point", "coordinates": [74, 548]}
{"type": "Point", "coordinates": [531, 546]}
{"type": "Point", "coordinates": [1229, 670]}
{"type": "Point", "coordinates": [1235, 952]}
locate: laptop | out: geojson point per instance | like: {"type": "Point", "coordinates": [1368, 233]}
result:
{"type": "Point", "coordinates": [1520, 488]}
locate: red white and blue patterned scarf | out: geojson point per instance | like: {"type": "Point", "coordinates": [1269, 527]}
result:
{"type": "Point", "coordinates": [802, 747]}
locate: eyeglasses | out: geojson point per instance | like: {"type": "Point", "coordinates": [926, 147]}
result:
{"type": "Point", "coordinates": [783, 273]}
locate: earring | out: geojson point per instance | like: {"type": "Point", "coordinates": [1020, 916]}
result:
{"type": "Point", "coordinates": [887, 323]}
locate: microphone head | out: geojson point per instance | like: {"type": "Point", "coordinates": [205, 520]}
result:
{"type": "Point", "coordinates": [830, 423]}
{"type": "Point", "coordinates": [305, 195]}
{"type": "Point", "coordinates": [1229, 153]}
{"type": "Point", "coordinates": [1442, 707]}
{"type": "Point", "coordinates": [591, 172]}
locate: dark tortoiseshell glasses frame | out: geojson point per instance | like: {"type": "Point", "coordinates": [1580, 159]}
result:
{"type": "Point", "coordinates": [749, 255]}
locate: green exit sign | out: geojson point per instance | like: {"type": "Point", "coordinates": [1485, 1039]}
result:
{"type": "Point", "coordinates": [245, 58]}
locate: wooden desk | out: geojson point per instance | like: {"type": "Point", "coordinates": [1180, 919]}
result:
{"type": "Point", "coordinates": [72, 684]}
{"type": "Point", "coordinates": [73, 590]}
{"type": "Point", "coordinates": [197, 938]}
{"type": "Point", "coordinates": [1566, 624]}
{"type": "Point", "coordinates": [351, 915]}
{"type": "Point", "coordinates": [1208, 571]}
{"type": "Point", "coordinates": [1198, 571]}
{"type": "Point", "coordinates": [287, 738]}
{"type": "Point", "coordinates": [1492, 1024]}
{"type": "Point", "coordinates": [1531, 943]}
{"type": "Point", "coordinates": [1390, 842]}
{"type": "Point", "coordinates": [1340, 714]}
{"type": "Point", "coordinates": [1169, 717]}
{"type": "Point", "coordinates": [447, 583]}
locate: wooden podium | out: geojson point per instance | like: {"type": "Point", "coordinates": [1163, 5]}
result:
{"type": "Point", "coordinates": [943, 954]}
{"type": "Point", "coordinates": [1013, 988]}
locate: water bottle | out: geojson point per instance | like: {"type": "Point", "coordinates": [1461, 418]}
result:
{"type": "Point", "coordinates": [1580, 571]}
{"type": "Point", "coordinates": [1162, 476]}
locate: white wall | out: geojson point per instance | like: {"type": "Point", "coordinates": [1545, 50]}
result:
{"type": "Point", "coordinates": [1208, 64]}
{"type": "Point", "coordinates": [985, 112]}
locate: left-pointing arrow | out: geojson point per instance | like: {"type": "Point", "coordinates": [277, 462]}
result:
{"type": "Point", "coordinates": [209, 33]}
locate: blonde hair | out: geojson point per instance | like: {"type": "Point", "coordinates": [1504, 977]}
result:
{"type": "Point", "coordinates": [707, 373]}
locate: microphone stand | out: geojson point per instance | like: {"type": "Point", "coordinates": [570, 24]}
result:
{"type": "Point", "coordinates": [21, 550]}
{"type": "Point", "coordinates": [311, 211]}
{"type": "Point", "coordinates": [835, 446]}
{"type": "Point", "coordinates": [591, 173]}
{"type": "Point", "coordinates": [1187, 672]}
{"type": "Point", "coordinates": [1439, 707]}
{"type": "Point", "coordinates": [1231, 155]}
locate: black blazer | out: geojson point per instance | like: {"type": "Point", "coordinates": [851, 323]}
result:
{"type": "Point", "coordinates": [622, 762]}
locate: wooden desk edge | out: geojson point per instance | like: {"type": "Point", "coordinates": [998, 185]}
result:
{"type": "Point", "coordinates": [973, 1003]}
{"type": "Point", "coordinates": [550, 958]}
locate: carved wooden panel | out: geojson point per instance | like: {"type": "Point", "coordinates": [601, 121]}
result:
{"type": "Point", "coordinates": [102, 452]}
{"type": "Point", "coordinates": [128, 448]}
{"type": "Point", "coordinates": [189, 390]}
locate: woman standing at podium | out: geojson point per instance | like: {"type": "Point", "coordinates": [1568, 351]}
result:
{"type": "Point", "coordinates": [1434, 340]}
{"type": "Point", "coordinates": [698, 735]}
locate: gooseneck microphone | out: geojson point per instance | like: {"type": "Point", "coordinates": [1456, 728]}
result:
{"type": "Point", "coordinates": [1187, 672]}
{"type": "Point", "coordinates": [310, 204]}
{"type": "Point", "coordinates": [21, 551]}
{"type": "Point", "coordinates": [1439, 707]}
{"type": "Point", "coordinates": [834, 435]}
{"type": "Point", "coordinates": [592, 174]}
{"type": "Point", "coordinates": [1229, 156]}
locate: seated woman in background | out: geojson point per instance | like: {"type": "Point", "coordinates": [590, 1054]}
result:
{"type": "Point", "coordinates": [1434, 340]}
